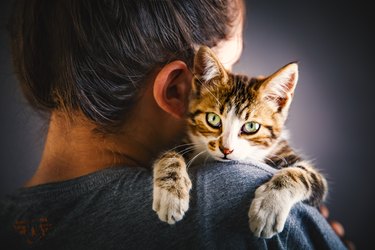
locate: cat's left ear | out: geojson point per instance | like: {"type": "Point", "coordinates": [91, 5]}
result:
{"type": "Point", "coordinates": [279, 88]}
{"type": "Point", "coordinates": [208, 69]}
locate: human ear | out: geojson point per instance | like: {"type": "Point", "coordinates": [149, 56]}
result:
{"type": "Point", "coordinates": [172, 87]}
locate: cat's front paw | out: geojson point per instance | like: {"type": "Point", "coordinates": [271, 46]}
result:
{"type": "Point", "coordinates": [171, 201]}
{"type": "Point", "coordinates": [269, 211]}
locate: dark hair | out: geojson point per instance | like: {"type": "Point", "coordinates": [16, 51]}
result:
{"type": "Point", "coordinates": [94, 55]}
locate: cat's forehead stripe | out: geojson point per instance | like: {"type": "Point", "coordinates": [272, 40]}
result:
{"type": "Point", "coordinates": [239, 96]}
{"type": "Point", "coordinates": [222, 107]}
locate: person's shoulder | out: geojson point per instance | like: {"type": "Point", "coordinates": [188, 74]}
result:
{"type": "Point", "coordinates": [236, 166]}
{"type": "Point", "coordinates": [230, 186]}
{"type": "Point", "coordinates": [232, 171]}
{"type": "Point", "coordinates": [234, 181]}
{"type": "Point", "coordinates": [308, 229]}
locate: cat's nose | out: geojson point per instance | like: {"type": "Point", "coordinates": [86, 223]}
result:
{"type": "Point", "coordinates": [226, 151]}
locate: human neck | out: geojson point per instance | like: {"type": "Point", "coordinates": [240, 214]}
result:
{"type": "Point", "coordinates": [73, 149]}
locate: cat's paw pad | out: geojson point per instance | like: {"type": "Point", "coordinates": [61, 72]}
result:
{"type": "Point", "coordinates": [269, 211]}
{"type": "Point", "coordinates": [171, 204]}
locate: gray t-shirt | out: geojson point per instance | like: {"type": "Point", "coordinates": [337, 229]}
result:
{"type": "Point", "coordinates": [112, 209]}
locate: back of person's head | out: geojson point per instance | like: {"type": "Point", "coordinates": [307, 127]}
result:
{"type": "Point", "coordinates": [94, 56]}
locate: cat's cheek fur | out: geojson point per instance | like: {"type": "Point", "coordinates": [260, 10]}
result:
{"type": "Point", "coordinates": [201, 143]}
{"type": "Point", "coordinates": [244, 151]}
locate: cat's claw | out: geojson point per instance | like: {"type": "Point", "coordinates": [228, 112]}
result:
{"type": "Point", "coordinates": [269, 211]}
{"type": "Point", "coordinates": [169, 206]}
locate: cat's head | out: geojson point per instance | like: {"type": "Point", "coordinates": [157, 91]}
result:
{"type": "Point", "coordinates": [234, 117]}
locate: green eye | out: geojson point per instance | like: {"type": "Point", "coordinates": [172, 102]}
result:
{"type": "Point", "coordinates": [213, 120]}
{"type": "Point", "coordinates": [250, 128]}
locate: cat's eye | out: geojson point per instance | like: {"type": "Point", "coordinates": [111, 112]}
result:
{"type": "Point", "coordinates": [213, 120]}
{"type": "Point", "coordinates": [250, 128]}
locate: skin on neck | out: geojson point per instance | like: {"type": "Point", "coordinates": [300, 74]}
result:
{"type": "Point", "coordinates": [73, 149]}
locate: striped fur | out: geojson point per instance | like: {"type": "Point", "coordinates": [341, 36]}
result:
{"type": "Point", "coordinates": [237, 100]}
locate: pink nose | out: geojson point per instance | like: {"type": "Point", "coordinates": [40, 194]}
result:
{"type": "Point", "coordinates": [226, 151]}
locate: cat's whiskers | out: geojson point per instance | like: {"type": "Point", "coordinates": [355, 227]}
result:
{"type": "Point", "coordinates": [277, 156]}
{"type": "Point", "coordinates": [183, 145]}
{"type": "Point", "coordinates": [269, 159]}
{"type": "Point", "coordinates": [187, 147]}
{"type": "Point", "coordinates": [191, 161]}
{"type": "Point", "coordinates": [186, 150]}
{"type": "Point", "coordinates": [205, 160]}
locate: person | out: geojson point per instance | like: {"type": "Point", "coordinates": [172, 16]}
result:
{"type": "Point", "coordinates": [114, 78]}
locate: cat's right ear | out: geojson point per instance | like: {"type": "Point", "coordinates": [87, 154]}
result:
{"type": "Point", "coordinates": [207, 69]}
{"type": "Point", "coordinates": [278, 89]}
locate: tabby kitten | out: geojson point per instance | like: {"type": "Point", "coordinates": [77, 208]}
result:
{"type": "Point", "coordinates": [234, 117]}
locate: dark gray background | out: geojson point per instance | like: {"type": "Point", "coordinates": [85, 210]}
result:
{"type": "Point", "coordinates": [331, 118]}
